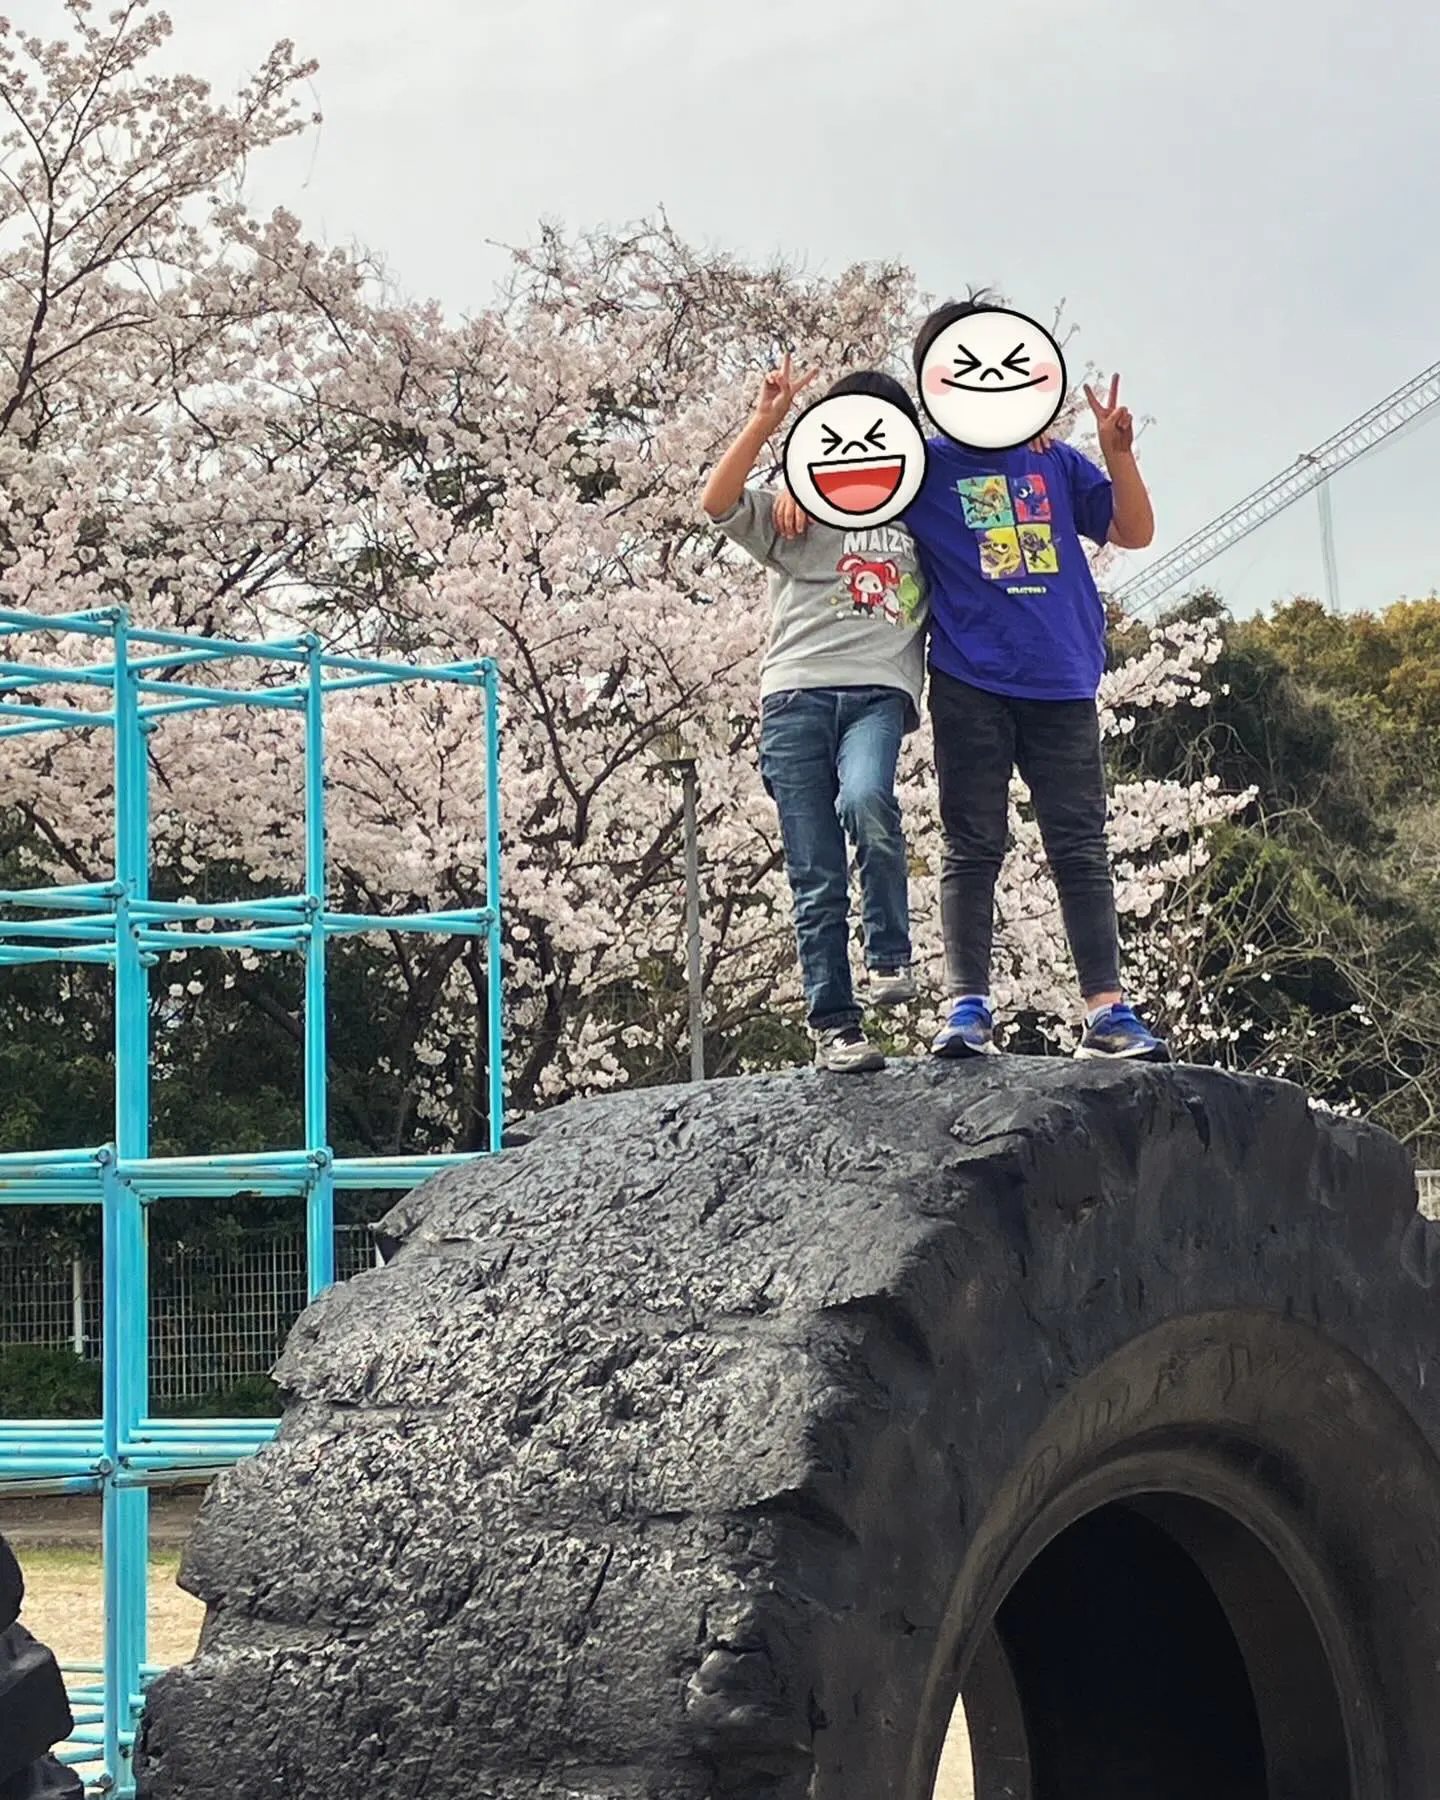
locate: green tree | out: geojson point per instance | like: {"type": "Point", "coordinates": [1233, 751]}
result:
{"type": "Point", "coordinates": [1317, 920]}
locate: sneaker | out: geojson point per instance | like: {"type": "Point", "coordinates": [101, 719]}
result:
{"type": "Point", "coordinates": [969, 1031]}
{"type": "Point", "coordinates": [1118, 1032]}
{"type": "Point", "coordinates": [846, 1051]}
{"type": "Point", "coordinates": [891, 987]}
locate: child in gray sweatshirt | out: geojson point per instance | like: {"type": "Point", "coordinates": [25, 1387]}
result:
{"type": "Point", "coordinates": [840, 687]}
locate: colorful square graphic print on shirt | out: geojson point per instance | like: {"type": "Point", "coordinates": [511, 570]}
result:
{"type": "Point", "coordinates": [1014, 606]}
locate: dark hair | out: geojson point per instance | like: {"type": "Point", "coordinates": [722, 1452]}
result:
{"type": "Point", "coordinates": [980, 301]}
{"type": "Point", "coordinates": [883, 387]}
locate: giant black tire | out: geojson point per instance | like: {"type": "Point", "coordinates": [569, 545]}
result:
{"type": "Point", "coordinates": [712, 1442]}
{"type": "Point", "coordinates": [12, 1586]}
{"type": "Point", "coordinates": [34, 1710]}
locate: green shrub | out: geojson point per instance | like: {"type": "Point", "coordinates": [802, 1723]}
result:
{"type": "Point", "coordinates": [252, 1397]}
{"type": "Point", "coordinates": [37, 1382]}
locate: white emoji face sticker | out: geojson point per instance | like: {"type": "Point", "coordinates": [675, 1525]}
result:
{"type": "Point", "coordinates": [854, 460]}
{"type": "Point", "coordinates": [993, 380]}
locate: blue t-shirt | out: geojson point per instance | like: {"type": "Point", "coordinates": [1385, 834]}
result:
{"type": "Point", "coordinates": [1013, 605]}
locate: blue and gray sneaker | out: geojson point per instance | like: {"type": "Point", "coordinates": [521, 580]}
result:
{"type": "Point", "coordinates": [969, 1031]}
{"type": "Point", "coordinates": [1118, 1032]}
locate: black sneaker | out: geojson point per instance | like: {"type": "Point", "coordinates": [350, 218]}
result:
{"type": "Point", "coordinates": [846, 1050]}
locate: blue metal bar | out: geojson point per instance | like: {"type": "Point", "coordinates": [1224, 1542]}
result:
{"type": "Point", "coordinates": [164, 938]}
{"type": "Point", "coordinates": [275, 1185]}
{"type": "Point", "coordinates": [100, 623]}
{"type": "Point", "coordinates": [78, 1759]}
{"type": "Point", "coordinates": [15, 731]}
{"type": "Point", "coordinates": [32, 675]}
{"type": "Point", "coordinates": [90, 896]}
{"type": "Point", "coordinates": [261, 697]}
{"type": "Point", "coordinates": [399, 671]}
{"type": "Point", "coordinates": [186, 1458]}
{"type": "Point", "coordinates": [269, 649]}
{"type": "Point", "coordinates": [45, 1190]}
{"type": "Point", "coordinates": [215, 1432]}
{"type": "Point", "coordinates": [24, 1158]}
{"type": "Point", "coordinates": [450, 924]}
{"type": "Point", "coordinates": [377, 1174]}
{"type": "Point", "coordinates": [75, 1428]}
{"type": "Point", "coordinates": [285, 908]}
{"type": "Point", "coordinates": [265, 650]}
{"type": "Point", "coordinates": [81, 928]}
{"type": "Point", "coordinates": [255, 1159]}
{"type": "Point", "coordinates": [280, 1172]}
{"type": "Point", "coordinates": [219, 696]}
{"type": "Point", "coordinates": [38, 1445]}
{"type": "Point", "coordinates": [22, 1193]}
{"type": "Point", "coordinates": [76, 1457]}
{"type": "Point", "coordinates": [494, 1034]}
{"type": "Point", "coordinates": [37, 954]}
{"type": "Point", "coordinates": [125, 1326]}
{"type": "Point", "coordinates": [61, 715]}
{"type": "Point", "coordinates": [352, 683]}
{"type": "Point", "coordinates": [320, 1201]}
{"type": "Point", "coordinates": [180, 1474]}
{"type": "Point", "coordinates": [70, 1456]}
{"type": "Point", "coordinates": [275, 650]}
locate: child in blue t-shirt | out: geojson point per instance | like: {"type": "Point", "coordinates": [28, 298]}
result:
{"type": "Point", "coordinates": [1017, 649]}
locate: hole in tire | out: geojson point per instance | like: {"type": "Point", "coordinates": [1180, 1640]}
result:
{"type": "Point", "coordinates": [1156, 1646]}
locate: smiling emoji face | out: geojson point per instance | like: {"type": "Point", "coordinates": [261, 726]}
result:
{"type": "Point", "coordinates": [993, 380]}
{"type": "Point", "coordinates": [854, 460]}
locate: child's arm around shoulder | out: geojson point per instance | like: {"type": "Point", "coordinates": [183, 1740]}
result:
{"type": "Point", "coordinates": [725, 498]}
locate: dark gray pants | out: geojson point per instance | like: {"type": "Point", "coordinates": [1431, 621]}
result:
{"type": "Point", "coordinates": [979, 739]}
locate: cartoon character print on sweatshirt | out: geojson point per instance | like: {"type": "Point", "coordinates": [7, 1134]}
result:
{"type": "Point", "coordinates": [1011, 521]}
{"type": "Point", "coordinates": [875, 585]}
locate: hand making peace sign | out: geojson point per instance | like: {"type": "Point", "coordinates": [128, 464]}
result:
{"type": "Point", "coordinates": [1113, 423]}
{"type": "Point", "coordinates": [777, 391]}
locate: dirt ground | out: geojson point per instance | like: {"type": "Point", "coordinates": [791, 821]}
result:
{"type": "Point", "coordinates": [64, 1606]}
{"type": "Point", "coordinates": [58, 1543]}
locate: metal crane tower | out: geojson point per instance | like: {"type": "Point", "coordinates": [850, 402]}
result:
{"type": "Point", "coordinates": [1404, 407]}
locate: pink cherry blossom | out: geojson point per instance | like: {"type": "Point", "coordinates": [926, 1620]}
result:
{"type": "Point", "coordinates": [226, 427]}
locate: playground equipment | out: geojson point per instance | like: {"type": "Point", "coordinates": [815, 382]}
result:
{"type": "Point", "coordinates": [709, 1443]}
{"type": "Point", "coordinates": [144, 678]}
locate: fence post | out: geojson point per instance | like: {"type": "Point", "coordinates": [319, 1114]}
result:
{"type": "Point", "coordinates": [671, 756]}
{"type": "Point", "coordinates": [77, 1305]}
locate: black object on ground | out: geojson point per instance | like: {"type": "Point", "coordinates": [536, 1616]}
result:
{"type": "Point", "coordinates": [706, 1446]}
{"type": "Point", "coordinates": [12, 1586]}
{"type": "Point", "coordinates": [44, 1779]}
{"type": "Point", "coordinates": [34, 1710]}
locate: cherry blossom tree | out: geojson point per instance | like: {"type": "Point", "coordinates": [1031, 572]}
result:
{"type": "Point", "coordinates": [224, 426]}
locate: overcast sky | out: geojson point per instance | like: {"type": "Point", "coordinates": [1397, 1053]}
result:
{"type": "Point", "coordinates": [1239, 200]}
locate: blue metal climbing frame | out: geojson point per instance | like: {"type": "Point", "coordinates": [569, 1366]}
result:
{"type": "Point", "coordinates": [149, 676]}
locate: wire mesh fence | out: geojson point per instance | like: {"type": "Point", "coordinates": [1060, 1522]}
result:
{"type": "Point", "coordinates": [218, 1318]}
{"type": "Point", "coordinates": [49, 1300]}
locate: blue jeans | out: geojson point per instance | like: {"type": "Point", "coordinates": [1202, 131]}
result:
{"type": "Point", "coordinates": [827, 757]}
